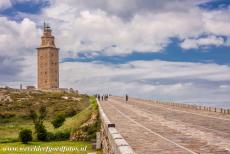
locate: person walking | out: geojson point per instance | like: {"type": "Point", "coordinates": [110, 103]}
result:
{"type": "Point", "coordinates": [126, 98]}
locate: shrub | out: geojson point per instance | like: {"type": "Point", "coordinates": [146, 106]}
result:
{"type": "Point", "coordinates": [70, 112]}
{"type": "Point", "coordinates": [58, 121]}
{"type": "Point", "coordinates": [50, 136]}
{"type": "Point", "coordinates": [25, 136]}
{"type": "Point", "coordinates": [41, 133]}
{"type": "Point", "coordinates": [60, 136]}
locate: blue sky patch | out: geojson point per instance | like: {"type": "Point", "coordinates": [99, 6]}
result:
{"type": "Point", "coordinates": [29, 7]}
{"type": "Point", "coordinates": [212, 54]}
{"type": "Point", "coordinates": [215, 4]}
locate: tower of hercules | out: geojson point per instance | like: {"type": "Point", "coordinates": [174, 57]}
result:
{"type": "Point", "coordinates": [48, 61]}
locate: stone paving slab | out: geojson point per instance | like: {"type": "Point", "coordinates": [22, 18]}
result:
{"type": "Point", "coordinates": [151, 129]}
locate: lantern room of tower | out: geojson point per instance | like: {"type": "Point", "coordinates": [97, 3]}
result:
{"type": "Point", "coordinates": [47, 40]}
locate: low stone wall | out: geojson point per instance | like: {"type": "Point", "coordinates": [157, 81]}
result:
{"type": "Point", "coordinates": [191, 106]}
{"type": "Point", "coordinates": [111, 140]}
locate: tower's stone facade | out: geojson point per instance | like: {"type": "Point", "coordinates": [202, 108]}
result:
{"type": "Point", "coordinates": [48, 61]}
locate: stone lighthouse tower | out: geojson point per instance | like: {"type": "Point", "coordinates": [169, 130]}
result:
{"type": "Point", "coordinates": [48, 61]}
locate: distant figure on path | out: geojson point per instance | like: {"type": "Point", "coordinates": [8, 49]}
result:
{"type": "Point", "coordinates": [126, 98]}
{"type": "Point", "coordinates": [106, 97]}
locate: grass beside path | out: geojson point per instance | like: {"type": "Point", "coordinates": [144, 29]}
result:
{"type": "Point", "coordinates": [47, 147]}
{"type": "Point", "coordinates": [73, 123]}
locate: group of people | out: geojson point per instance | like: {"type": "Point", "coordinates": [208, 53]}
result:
{"type": "Point", "coordinates": [106, 97]}
{"type": "Point", "coordinates": [102, 97]}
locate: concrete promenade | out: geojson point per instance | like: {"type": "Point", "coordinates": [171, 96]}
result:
{"type": "Point", "coordinates": [151, 128]}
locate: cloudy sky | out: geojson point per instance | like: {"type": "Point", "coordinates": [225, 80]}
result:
{"type": "Point", "coordinates": [177, 50]}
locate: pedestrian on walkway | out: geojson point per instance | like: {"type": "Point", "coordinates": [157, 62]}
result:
{"type": "Point", "coordinates": [126, 98]}
{"type": "Point", "coordinates": [106, 97]}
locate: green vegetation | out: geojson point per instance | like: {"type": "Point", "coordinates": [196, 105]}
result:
{"type": "Point", "coordinates": [88, 131]}
{"type": "Point", "coordinates": [58, 136]}
{"type": "Point", "coordinates": [75, 122]}
{"type": "Point", "coordinates": [58, 121]}
{"type": "Point", "coordinates": [25, 136]}
{"type": "Point", "coordinates": [53, 117]}
{"type": "Point", "coordinates": [41, 133]}
{"type": "Point", "coordinates": [38, 120]}
{"type": "Point", "coordinates": [15, 114]}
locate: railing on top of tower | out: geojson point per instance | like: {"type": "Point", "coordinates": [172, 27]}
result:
{"type": "Point", "coordinates": [46, 26]}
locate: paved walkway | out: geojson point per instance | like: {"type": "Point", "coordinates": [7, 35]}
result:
{"type": "Point", "coordinates": [152, 128]}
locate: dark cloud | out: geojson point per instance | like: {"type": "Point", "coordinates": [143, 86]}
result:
{"type": "Point", "coordinates": [128, 8]}
{"type": "Point", "coordinates": [10, 68]}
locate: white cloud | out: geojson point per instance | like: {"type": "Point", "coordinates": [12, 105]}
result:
{"type": "Point", "coordinates": [4, 4]}
{"type": "Point", "coordinates": [123, 9]}
{"type": "Point", "coordinates": [18, 38]}
{"type": "Point", "coordinates": [103, 26]}
{"type": "Point", "coordinates": [217, 22]}
{"type": "Point", "coordinates": [18, 41]}
{"type": "Point", "coordinates": [98, 32]}
{"type": "Point", "coordinates": [118, 28]}
{"type": "Point", "coordinates": [202, 42]}
{"type": "Point", "coordinates": [178, 81]}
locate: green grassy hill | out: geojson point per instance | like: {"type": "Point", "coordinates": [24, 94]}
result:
{"type": "Point", "coordinates": [14, 111]}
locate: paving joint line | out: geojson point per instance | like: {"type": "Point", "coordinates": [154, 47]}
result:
{"type": "Point", "coordinates": [166, 139]}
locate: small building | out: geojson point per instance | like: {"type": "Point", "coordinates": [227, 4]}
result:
{"type": "Point", "coordinates": [30, 87]}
